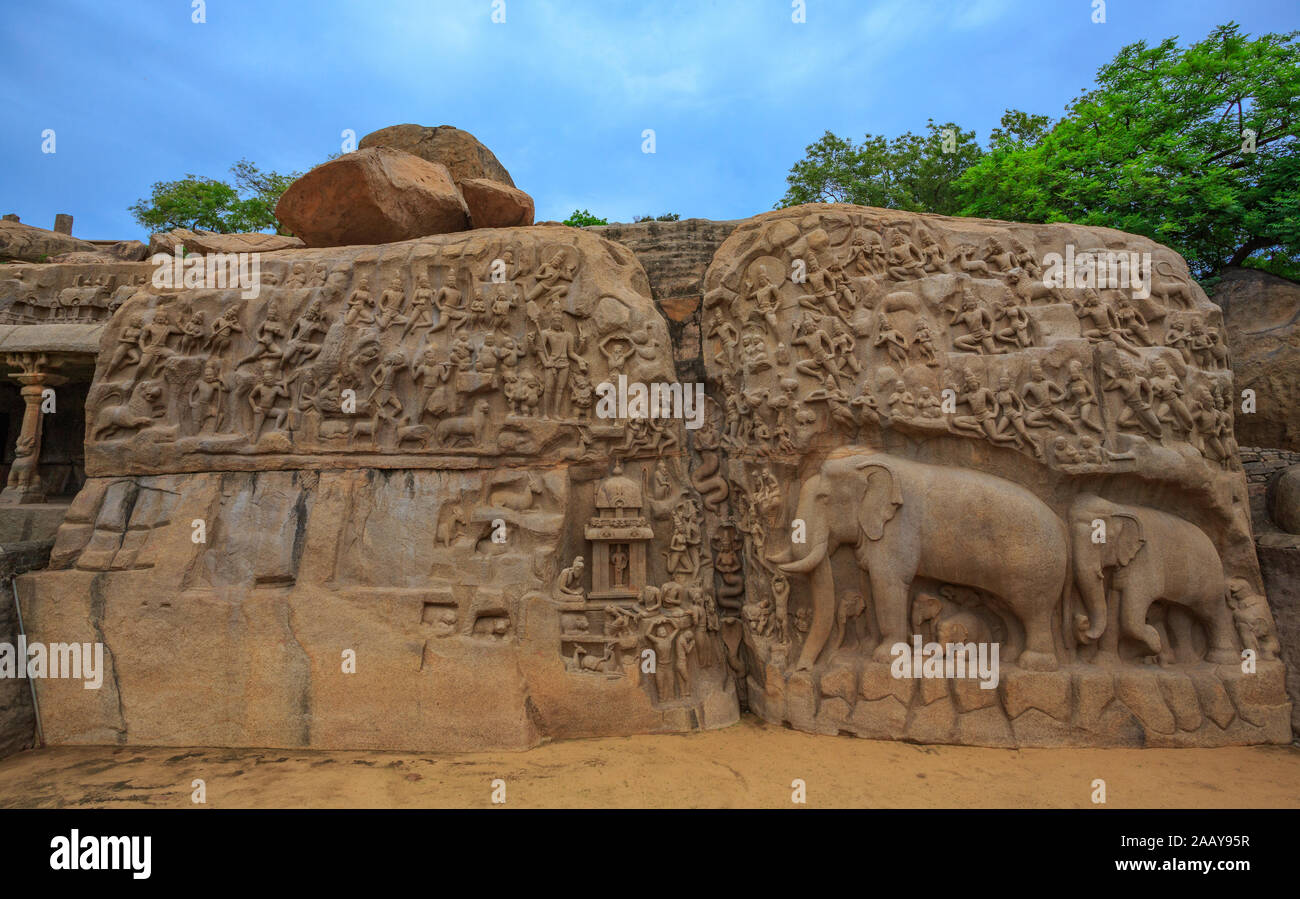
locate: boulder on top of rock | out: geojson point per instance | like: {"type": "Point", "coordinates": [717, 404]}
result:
{"type": "Point", "coordinates": [371, 196]}
{"type": "Point", "coordinates": [214, 242]}
{"type": "Point", "coordinates": [496, 205]}
{"type": "Point", "coordinates": [461, 152]}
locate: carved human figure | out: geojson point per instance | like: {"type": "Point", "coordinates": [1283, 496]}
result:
{"type": "Point", "coordinates": [1041, 395]}
{"type": "Point", "coordinates": [262, 398]}
{"type": "Point", "coordinates": [555, 351]}
{"type": "Point", "coordinates": [905, 261]}
{"type": "Point", "coordinates": [893, 341]}
{"type": "Point", "coordinates": [1098, 322]}
{"type": "Point", "coordinates": [361, 304]}
{"type": "Point", "coordinates": [223, 330]}
{"type": "Point", "coordinates": [1252, 619]}
{"type": "Point", "coordinates": [383, 398]}
{"type": "Point", "coordinates": [421, 306]}
{"type": "Point", "coordinates": [390, 304]}
{"type": "Point", "coordinates": [209, 396]}
{"type": "Point", "coordinates": [1083, 398]}
{"type": "Point", "coordinates": [299, 347]}
{"type": "Point", "coordinates": [1015, 323]}
{"type": "Point", "coordinates": [448, 299]}
{"type": "Point", "coordinates": [1135, 392]}
{"type": "Point", "coordinates": [923, 342]}
{"type": "Point", "coordinates": [268, 332]}
{"type": "Point", "coordinates": [1167, 396]}
{"type": "Point", "coordinates": [569, 583]}
{"type": "Point", "coordinates": [154, 350]}
{"type": "Point", "coordinates": [1132, 323]}
{"type": "Point", "coordinates": [978, 323]}
{"type": "Point", "coordinates": [127, 351]}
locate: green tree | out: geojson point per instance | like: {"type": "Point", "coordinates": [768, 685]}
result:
{"type": "Point", "coordinates": [913, 172]}
{"type": "Point", "coordinates": [581, 218]}
{"type": "Point", "coordinates": [666, 217]}
{"type": "Point", "coordinates": [1194, 147]}
{"type": "Point", "coordinates": [212, 205]}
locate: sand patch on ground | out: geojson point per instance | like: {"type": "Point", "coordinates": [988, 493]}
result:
{"type": "Point", "coordinates": [749, 765]}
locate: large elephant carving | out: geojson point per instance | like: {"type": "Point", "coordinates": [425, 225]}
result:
{"type": "Point", "coordinates": [1150, 555]}
{"type": "Point", "coordinates": [906, 519]}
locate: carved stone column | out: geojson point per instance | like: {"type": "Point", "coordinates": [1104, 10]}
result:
{"type": "Point", "coordinates": [24, 477]}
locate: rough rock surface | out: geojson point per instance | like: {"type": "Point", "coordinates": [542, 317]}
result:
{"type": "Point", "coordinates": [914, 438]}
{"type": "Point", "coordinates": [27, 244]}
{"type": "Point", "coordinates": [212, 242]}
{"type": "Point", "coordinates": [17, 717]}
{"type": "Point", "coordinates": [1261, 313]}
{"type": "Point", "coordinates": [353, 439]}
{"type": "Point", "coordinates": [461, 152]}
{"type": "Point", "coordinates": [395, 461]}
{"type": "Point", "coordinates": [372, 196]}
{"type": "Point", "coordinates": [122, 251]}
{"type": "Point", "coordinates": [496, 205]}
{"type": "Point", "coordinates": [1284, 500]}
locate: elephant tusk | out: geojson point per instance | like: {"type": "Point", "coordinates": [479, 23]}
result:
{"type": "Point", "coordinates": [808, 562]}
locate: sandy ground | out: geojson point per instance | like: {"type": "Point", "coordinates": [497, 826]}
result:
{"type": "Point", "coordinates": [748, 765]}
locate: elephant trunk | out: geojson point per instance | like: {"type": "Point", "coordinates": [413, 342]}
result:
{"type": "Point", "coordinates": [823, 613]}
{"type": "Point", "coordinates": [1090, 578]}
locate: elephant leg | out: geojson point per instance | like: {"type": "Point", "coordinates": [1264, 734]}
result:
{"type": "Point", "coordinates": [1223, 649]}
{"type": "Point", "coordinates": [1178, 625]}
{"type": "Point", "coordinates": [1133, 606]}
{"type": "Point", "coordinates": [891, 613]}
{"type": "Point", "coordinates": [1108, 642]}
{"type": "Point", "coordinates": [822, 584]}
{"type": "Point", "coordinates": [1040, 650]}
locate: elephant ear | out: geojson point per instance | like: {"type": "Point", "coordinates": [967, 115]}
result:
{"type": "Point", "coordinates": [881, 498]}
{"type": "Point", "coordinates": [1124, 540]}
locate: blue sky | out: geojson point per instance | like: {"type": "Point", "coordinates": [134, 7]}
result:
{"type": "Point", "coordinates": [561, 91]}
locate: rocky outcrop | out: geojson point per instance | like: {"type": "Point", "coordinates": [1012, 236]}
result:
{"type": "Point", "coordinates": [496, 205]}
{"type": "Point", "coordinates": [376, 506]}
{"type": "Point", "coordinates": [372, 196]}
{"type": "Point", "coordinates": [213, 242]}
{"type": "Point", "coordinates": [928, 440]}
{"type": "Point", "coordinates": [24, 243]}
{"type": "Point", "coordinates": [1261, 314]}
{"type": "Point", "coordinates": [379, 505]}
{"type": "Point", "coordinates": [461, 152]}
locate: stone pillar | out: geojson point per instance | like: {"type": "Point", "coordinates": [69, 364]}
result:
{"type": "Point", "coordinates": [25, 477]}
{"type": "Point", "coordinates": [63, 223]}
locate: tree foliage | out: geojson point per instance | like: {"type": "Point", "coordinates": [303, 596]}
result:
{"type": "Point", "coordinates": [1195, 147]}
{"type": "Point", "coordinates": [208, 204]}
{"type": "Point", "coordinates": [913, 172]}
{"type": "Point", "coordinates": [1163, 147]}
{"type": "Point", "coordinates": [581, 218]}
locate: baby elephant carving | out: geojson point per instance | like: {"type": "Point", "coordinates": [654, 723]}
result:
{"type": "Point", "coordinates": [1148, 555]}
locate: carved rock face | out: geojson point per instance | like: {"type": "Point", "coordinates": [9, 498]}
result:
{"type": "Point", "coordinates": [372, 196]}
{"type": "Point", "coordinates": [944, 414]}
{"type": "Point", "coordinates": [393, 452]}
{"type": "Point", "coordinates": [401, 451]}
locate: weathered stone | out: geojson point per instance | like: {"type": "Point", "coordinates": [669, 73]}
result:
{"type": "Point", "coordinates": [212, 242]}
{"type": "Point", "coordinates": [1284, 500]}
{"type": "Point", "coordinates": [461, 152]}
{"type": "Point", "coordinates": [375, 530]}
{"type": "Point", "coordinates": [1261, 315]}
{"type": "Point", "coordinates": [27, 244]}
{"type": "Point", "coordinates": [495, 205]}
{"type": "Point", "coordinates": [372, 196]}
{"type": "Point", "coordinates": [1140, 691]}
{"type": "Point", "coordinates": [1047, 691]}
